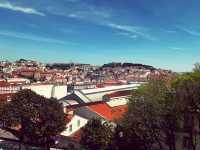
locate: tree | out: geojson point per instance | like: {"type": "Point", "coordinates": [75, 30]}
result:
{"type": "Point", "coordinates": [196, 67]}
{"type": "Point", "coordinates": [96, 135]}
{"type": "Point", "coordinates": [3, 117]}
{"type": "Point", "coordinates": [38, 118]}
{"type": "Point", "coordinates": [187, 87]}
{"type": "Point", "coordinates": [127, 138]}
{"type": "Point", "coordinates": [152, 117]}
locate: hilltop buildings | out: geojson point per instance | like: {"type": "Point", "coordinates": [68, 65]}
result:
{"type": "Point", "coordinates": [77, 74]}
{"type": "Point", "coordinates": [85, 91]}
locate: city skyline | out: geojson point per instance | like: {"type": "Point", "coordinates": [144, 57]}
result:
{"type": "Point", "coordinates": [159, 33]}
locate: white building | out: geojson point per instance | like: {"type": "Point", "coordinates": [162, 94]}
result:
{"type": "Point", "coordinates": [74, 125]}
{"type": "Point", "coordinates": [94, 95]}
{"type": "Point", "coordinates": [48, 90]}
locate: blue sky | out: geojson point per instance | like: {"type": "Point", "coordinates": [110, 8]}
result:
{"type": "Point", "coordinates": [162, 33]}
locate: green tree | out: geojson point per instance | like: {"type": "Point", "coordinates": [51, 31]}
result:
{"type": "Point", "coordinates": [196, 67]}
{"type": "Point", "coordinates": [96, 135]}
{"type": "Point", "coordinates": [152, 116]}
{"type": "Point", "coordinates": [39, 118]}
{"type": "Point", "coordinates": [187, 87]}
{"type": "Point", "coordinates": [126, 137]}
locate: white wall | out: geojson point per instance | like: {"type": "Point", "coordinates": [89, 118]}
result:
{"type": "Point", "coordinates": [60, 91]}
{"type": "Point", "coordinates": [75, 127]}
{"type": "Point", "coordinates": [48, 90]}
{"type": "Point", "coordinates": [98, 93]}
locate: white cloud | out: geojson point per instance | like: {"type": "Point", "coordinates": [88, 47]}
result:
{"type": "Point", "coordinates": [132, 30]}
{"type": "Point", "coordinates": [176, 48]}
{"type": "Point", "coordinates": [32, 37]}
{"type": "Point", "coordinates": [100, 16]}
{"type": "Point", "coordinates": [129, 35]}
{"type": "Point", "coordinates": [74, 15]}
{"type": "Point", "coordinates": [189, 31]}
{"type": "Point", "coordinates": [90, 14]}
{"type": "Point", "coordinates": [73, 1]}
{"type": "Point", "coordinates": [134, 36]}
{"type": "Point", "coordinates": [82, 10]}
{"type": "Point", "coordinates": [26, 10]}
{"type": "Point", "coordinates": [170, 31]}
{"type": "Point", "coordinates": [127, 28]}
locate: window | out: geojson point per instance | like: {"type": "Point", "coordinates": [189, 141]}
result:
{"type": "Point", "coordinates": [70, 128]}
{"type": "Point", "coordinates": [78, 123]}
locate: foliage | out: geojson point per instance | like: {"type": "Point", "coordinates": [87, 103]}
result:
{"type": "Point", "coordinates": [196, 67]}
{"type": "Point", "coordinates": [39, 118]}
{"type": "Point", "coordinates": [96, 135]}
{"type": "Point", "coordinates": [152, 116]}
{"type": "Point", "coordinates": [187, 87]}
{"type": "Point", "coordinates": [140, 66]}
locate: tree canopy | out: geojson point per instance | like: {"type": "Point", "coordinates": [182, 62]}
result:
{"type": "Point", "coordinates": [196, 67]}
{"type": "Point", "coordinates": [187, 87]}
{"type": "Point", "coordinates": [38, 119]}
{"type": "Point", "coordinates": [96, 135]}
{"type": "Point", "coordinates": [152, 116]}
{"type": "Point", "coordinates": [159, 112]}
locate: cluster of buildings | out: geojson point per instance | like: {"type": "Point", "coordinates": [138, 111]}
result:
{"type": "Point", "coordinates": [107, 103]}
{"type": "Point", "coordinates": [77, 73]}
{"type": "Point", "coordinates": [85, 91]}
{"type": "Point", "coordinates": [52, 80]}
{"type": "Point", "coordinates": [79, 104]}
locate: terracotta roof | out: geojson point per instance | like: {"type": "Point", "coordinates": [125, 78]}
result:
{"type": "Point", "coordinates": [118, 112]}
{"type": "Point", "coordinates": [102, 109]}
{"type": "Point", "coordinates": [4, 97]}
{"type": "Point", "coordinates": [7, 84]}
{"type": "Point", "coordinates": [4, 83]}
{"type": "Point", "coordinates": [110, 81]}
{"type": "Point", "coordinates": [107, 112]}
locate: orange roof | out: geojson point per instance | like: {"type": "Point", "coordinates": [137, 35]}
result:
{"type": "Point", "coordinates": [118, 111]}
{"type": "Point", "coordinates": [109, 113]}
{"type": "Point", "coordinates": [13, 83]}
{"type": "Point", "coordinates": [110, 81]}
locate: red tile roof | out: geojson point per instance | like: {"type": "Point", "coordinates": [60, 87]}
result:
{"type": "Point", "coordinates": [107, 112]}
{"type": "Point", "coordinates": [4, 83]}
{"type": "Point", "coordinates": [110, 81]}
{"type": "Point", "coordinates": [4, 97]}
{"type": "Point", "coordinates": [111, 114]}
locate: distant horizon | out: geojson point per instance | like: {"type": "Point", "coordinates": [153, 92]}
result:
{"type": "Point", "coordinates": [160, 33]}
{"type": "Point", "coordinates": [68, 62]}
